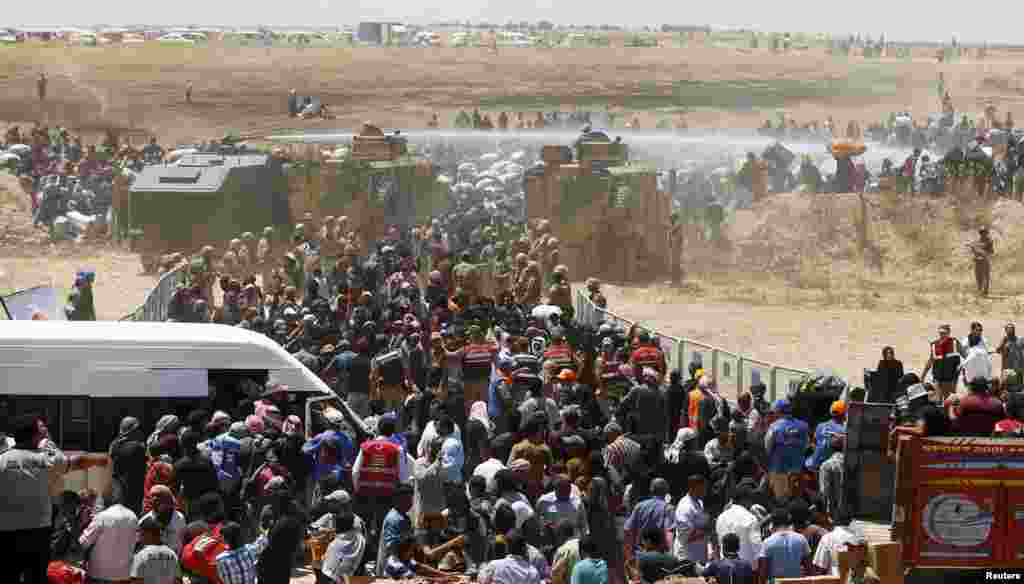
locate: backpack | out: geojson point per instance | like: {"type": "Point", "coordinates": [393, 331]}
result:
{"type": "Point", "coordinates": [200, 555]}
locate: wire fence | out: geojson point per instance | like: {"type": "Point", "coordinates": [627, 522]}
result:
{"type": "Point", "coordinates": [154, 309]}
{"type": "Point", "coordinates": [731, 370]}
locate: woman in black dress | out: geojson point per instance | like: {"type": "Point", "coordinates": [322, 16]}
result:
{"type": "Point", "coordinates": [885, 386]}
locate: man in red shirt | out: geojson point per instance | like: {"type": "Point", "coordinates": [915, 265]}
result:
{"type": "Point", "coordinates": [977, 413]}
{"type": "Point", "coordinates": [647, 354]}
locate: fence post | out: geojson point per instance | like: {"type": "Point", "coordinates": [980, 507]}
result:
{"type": "Point", "coordinates": [739, 375]}
{"type": "Point", "coordinates": [684, 367]}
{"type": "Point", "coordinates": [714, 364]}
{"type": "Point", "coordinates": [774, 381]}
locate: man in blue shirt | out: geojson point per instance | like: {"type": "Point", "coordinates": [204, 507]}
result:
{"type": "Point", "coordinates": [785, 444]}
{"type": "Point", "coordinates": [730, 569]}
{"type": "Point", "coordinates": [397, 527]}
{"type": "Point", "coordinates": [786, 553]}
{"type": "Point", "coordinates": [499, 396]}
{"type": "Point", "coordinates": [343, 363]}
{"type": "Point", "coordinates": [654, 513]}
{"type": "Point", "coordinates": [823, 435]}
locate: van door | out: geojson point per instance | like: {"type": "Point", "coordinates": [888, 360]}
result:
{"type": "Point", "coordinates": [76, 423]}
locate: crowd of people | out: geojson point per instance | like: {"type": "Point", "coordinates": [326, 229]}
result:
{"type": "Point", "coordinates": [66, 178]}
{"type": "Point", "coordinates": [487, 435]}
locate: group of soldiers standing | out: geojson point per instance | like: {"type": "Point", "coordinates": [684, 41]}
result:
{"type": "Point", "coordinates": [320, 258]}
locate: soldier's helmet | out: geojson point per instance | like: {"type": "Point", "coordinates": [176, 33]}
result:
{"type": "Point", "coordinates": [329, 220]}
{"type": "Point", "coordinates": [248, 236]}
{"type": "Point", "coordinates": [235, 243]}
{"type": "Point", "coordinates": [206, 250]}
{"type": "Point", "coordinates": [593, 284]}
{"type": "Point", "coordinates": [521, 258]}
{"type": "Point", "coordinates": [553, 242]}
{"type": "Point", "coordinates": [268, 231]}
{"type": "Point", "coordinates": [562, 270]}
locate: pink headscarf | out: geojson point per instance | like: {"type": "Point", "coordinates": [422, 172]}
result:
{"type": "Point", "coordinates": [292, 426]}
{"type": "Point", "coordinates": [255, 424]}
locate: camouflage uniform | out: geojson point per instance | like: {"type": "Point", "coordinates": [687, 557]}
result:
{"type": "Point", "coordinates": [264, 257]}
{"type": "Point", "coordinates": [207, 275]}
{"type": "Point", "coordinates": [247, 254]}
{"type": "Point", "coordinates": [465, 276]}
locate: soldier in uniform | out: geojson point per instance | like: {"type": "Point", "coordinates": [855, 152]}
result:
{"type": "Point", "coordinates": [293, 269]}
{"type": "Point", "coordinates": [464, 275]}
{"type": "Point", "coordinates": [594, 293]}
{"type": "Point", "coordinates": [207, 276]}
{"type": "Point", "coordinates": [982, 252]}
{"type": "Point", "coordinates": [560, 293]}
{"type": "Point", "coordinates": [551, 259]}
{"type": "Point", "coordinates": [249, 247]}
{"type": "Point", "coordinates": [330, 248]}
{"type": "Point", "coordinates": [229, 261]}
{"type": "Point", "coordinates": [264, 256]}
{"type": "Point", "coordinates": [528, 289]}
{"type": "Point", "coordinates": [168, 262]}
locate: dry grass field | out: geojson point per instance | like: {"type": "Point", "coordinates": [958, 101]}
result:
{"type": "Point", "coordinates": [142, 87]}
{"type": "Point", "coordinates": [791, 288]}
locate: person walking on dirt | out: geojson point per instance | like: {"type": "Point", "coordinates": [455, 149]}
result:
{"type": "Point", "coordinates": [188, 92]}
{"type": "Point", "coordinates": [41, 86]}
{"type": "Point", "coordinates": [983, 250]}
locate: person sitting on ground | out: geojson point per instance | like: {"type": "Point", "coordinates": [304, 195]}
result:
{"type": "Point", "coordinates": [345, 552]}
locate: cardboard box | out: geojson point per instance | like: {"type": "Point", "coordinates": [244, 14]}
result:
{"type": "Point", "coordinates": [887, 560]}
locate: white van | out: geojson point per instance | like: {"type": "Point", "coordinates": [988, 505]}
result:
{"type": "Point", "coordinates": [85, 376]}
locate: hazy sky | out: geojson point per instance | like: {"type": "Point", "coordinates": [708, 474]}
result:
{"type": "Point", "coordinates": [902, 20]}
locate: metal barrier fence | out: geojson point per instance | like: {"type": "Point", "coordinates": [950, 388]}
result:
{"type": "Point", "coordinates": [154, 309]}
{"type": "Point", "coordinates": [730, 370]}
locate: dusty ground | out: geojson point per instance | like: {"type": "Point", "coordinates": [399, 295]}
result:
{"type": "Point", "coordinates": [243, 89]}
{"type": "Point", "coordinates": [773, 304]}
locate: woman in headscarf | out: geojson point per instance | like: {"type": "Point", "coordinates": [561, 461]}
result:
{"type": "Point", "coordinates": [128, 455]}
{"type": "Point", "coordinates": [159, 472]}
{"type": "Point", "coordinates": [299, 466]}
{"type": "Point", "coordinates": [165, 425]}
{"type": "Point", "coordinates": [885, 385]}
{"type": "Point", "coordinates": [479, 431]}
{"type": "Point", "coordinates": [683, 461]}
{"type": "Point", "coordinates": [601, 519]}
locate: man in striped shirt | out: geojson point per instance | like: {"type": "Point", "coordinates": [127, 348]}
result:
{"type": "Point", "coordinates": [622, 453]}
{"type": "Point", "coordinates": [238, 564]}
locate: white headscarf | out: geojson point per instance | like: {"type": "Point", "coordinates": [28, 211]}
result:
{"type": "Point", "coordinates": [683, 436]}
{"type": "Point", "coordinates": [478, 412]}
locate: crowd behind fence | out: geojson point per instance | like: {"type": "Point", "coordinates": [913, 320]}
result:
{"type": "Point", "coordinates": [154, 309]}
{"type": "Point", "coordinates": [730, 370]}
